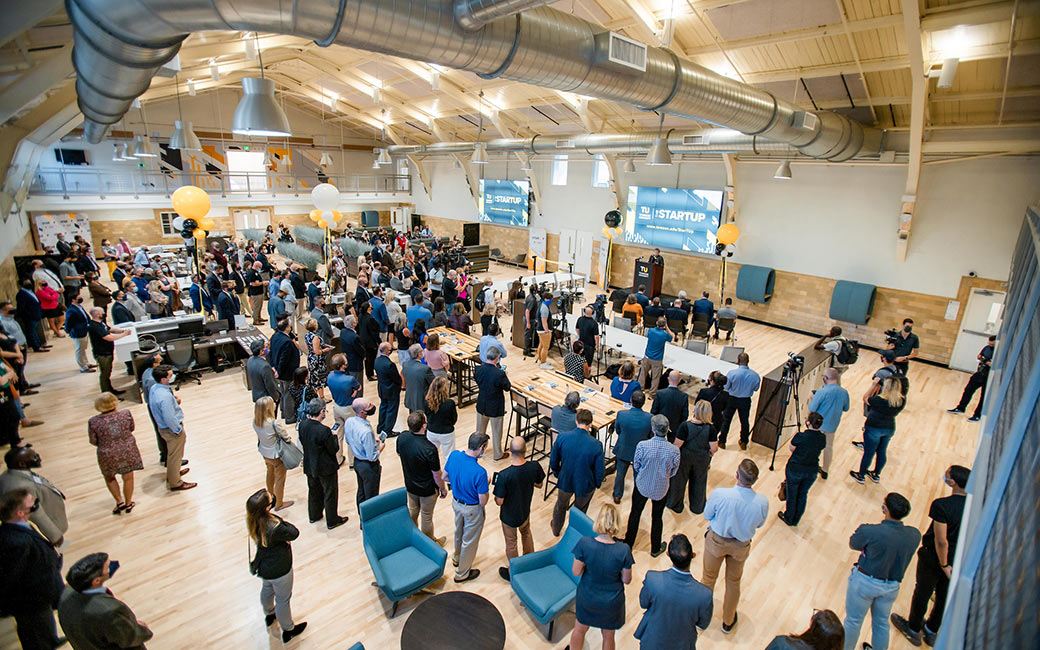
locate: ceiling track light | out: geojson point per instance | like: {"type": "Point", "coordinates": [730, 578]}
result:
{"type": "Point", "coordinates": [326, 159]}
{"type": "Point", "coordinates": [783, 172]}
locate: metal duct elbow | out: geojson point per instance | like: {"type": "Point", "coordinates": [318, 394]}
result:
{"type": "Point", "coordinates": [474, 14]}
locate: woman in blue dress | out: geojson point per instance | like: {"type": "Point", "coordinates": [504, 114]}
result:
{"type": "Point", "coordinates": [603, 567]}
{"type": "Point", "coordinates": [625, 384]}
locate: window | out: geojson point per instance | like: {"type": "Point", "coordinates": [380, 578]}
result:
{"type": "Point", "coordinates": [558, 172]}
{"type": "Point", "coordinates": [600, 173]}
{"type": "Point", "coordinates": [166, 221]}
{"type": "Point", "coordinates": [246, 171]}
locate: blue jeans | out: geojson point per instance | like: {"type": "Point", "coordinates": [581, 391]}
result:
{"type": "Point", "coordinates": [876, 595]}
{"type": "Point", "coordinates": [798, 484]}
{"type": "Point", "coordinates": [875, 441]}
{"type": "Point", "coordinates": [619, 479]}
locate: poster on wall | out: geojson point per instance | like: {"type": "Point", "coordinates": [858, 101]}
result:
{"type": "Point", "coordinates": [504, 202]}
{"type": "Point", "coordinates": [536, 246]}
{"type": "Point", "coordinates": [684, 219]}
{"type": "Point", "coordinates": [49, 224]}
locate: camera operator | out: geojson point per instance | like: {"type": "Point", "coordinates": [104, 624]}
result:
{"type": "Point", "coordinates": [905, 344]}
{"type": "Point", "coordinates": [977, 381]}
{"type": "Point", "coordinates": [531, 304]}
{"type": "Point", "coordinates": [587, 330]}
{"type": "Point", "coordinates": [832, 342]}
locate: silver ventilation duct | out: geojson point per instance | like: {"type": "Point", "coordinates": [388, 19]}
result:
{"type": "Point", "coordinates": [474, 14]}
{"type": "Point", "coordinates": [119, 46]}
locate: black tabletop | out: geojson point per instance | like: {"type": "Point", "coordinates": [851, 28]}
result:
{"type": "Point", "coordinates": [455, 619]}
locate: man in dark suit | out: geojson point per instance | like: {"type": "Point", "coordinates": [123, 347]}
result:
{"type": "Point", "coordinates": [320, 466]}
{"type": "Point", "coordinates": [260, 374]}
{"type": "Point", "coordinates": [120, 312]}
{"type": "Point", "coordinates": [76, 324]}
{"type": "Point", "coordinates": [705, 306]}
{"type": "Point", "coordinates": [89, 612]}
{"type": "Point", "coordinates": [213, 283]}
{"type": "Point", "coordinates": [417, 379]}
{"type": "Point", "coordinates": [351, 347]}
{"type": "Point", "coordinates": [577, 462]}
{"type": "Point", "coordinates": [654, 311]}
{"type": "Point", "coordinates": [30, 578]}
{"type": "Point", "coordinates": [672, 403]}
{"type": "Point", "coordinates": [201, 299]}
{"type": "Point", "coordinates": [632, 427]}
{"type": "Point", "coordinates": [325, 332]}
{"type": "Point", "coordinates": [492, 385]}
{"type": "Point", "coordinates": [388, 387]}
{"type": "Point", "coordinates": [63, 246]}
{"type": "Point", "coordinates": [675, 603]}
{"type": "Point", "coordinates": [283, 355]}
{"type": "Point", "coordinates": [227, 304]}
{"type": "Point", "coordinates": [29, 313]}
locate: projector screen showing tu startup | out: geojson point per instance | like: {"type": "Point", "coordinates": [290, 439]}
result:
{"type": "Point", "coordinates": [673, 218]}
{"type": "Point", "coordinates": [504, 202]}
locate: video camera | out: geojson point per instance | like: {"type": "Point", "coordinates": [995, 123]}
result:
{"type": "Point", "coordinates": [892, 335]}
{"type": "Point", "coordinates": [599, 308]}
{"type": "Point", "coordinates": [794, 362]}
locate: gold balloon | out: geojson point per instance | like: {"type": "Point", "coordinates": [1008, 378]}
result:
{"type": "Point", "coordinates": [322, 223]}
{"type": "Point", "coordinates": [191, 202]}
{"type": "Point", "coordinates": [315, 215]}
{"type": "Point", "coordinates": [199, 234]}
{"type": "Point", "coordinates": [727, 234]}
{"type": "Point", "coordinates": [207, 224]}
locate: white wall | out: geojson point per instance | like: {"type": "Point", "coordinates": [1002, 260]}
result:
{"type": "Point", "coordinates": [835, 221]}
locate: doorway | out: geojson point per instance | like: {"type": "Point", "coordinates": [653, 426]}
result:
{"type": "Point", "coordinates": [576, 249]}
{"type": "Point", "coordinates": [244, 218]}
{"type": "Point", "coordinates": [982, 317]}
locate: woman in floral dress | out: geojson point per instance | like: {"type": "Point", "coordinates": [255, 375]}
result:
{"type": "Point", "coordinates": [112, 432]}
{"type": "Point", "coordinates": [316, 364]}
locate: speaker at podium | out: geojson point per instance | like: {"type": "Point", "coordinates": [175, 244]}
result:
{"type": "Point", "coordinates": [649, 274]}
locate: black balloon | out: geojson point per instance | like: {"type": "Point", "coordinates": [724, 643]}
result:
{"type": "Point", "coordinates": [612, 219]}
{"type": "Point", "coordinates": [190, 225]}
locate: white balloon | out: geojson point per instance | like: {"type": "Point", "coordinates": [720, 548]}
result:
{"type": "Point", "coordinates": [178, 223]}
{"type": "Point", "coordinates": [325, 196]}
{"type": "Point", "coordinates": [328, 216]}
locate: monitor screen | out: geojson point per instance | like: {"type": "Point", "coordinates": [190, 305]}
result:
{"type": "Point", "coordinates": [190, 328]}
{"type": "Point", "coordinates": [673, 218]}
{"type": "Point", "coordinates": [504, 202]}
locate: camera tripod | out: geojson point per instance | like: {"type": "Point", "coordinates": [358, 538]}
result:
{"type": "Point", "coordinates": [785, 389]}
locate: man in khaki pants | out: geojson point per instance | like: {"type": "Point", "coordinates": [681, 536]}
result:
{"type": "Point", "coordinates": [733, 514]}
{"type": "Point", "coordinates": [255, 288]}
{"type": "Point", "coordinates": [166, 410]}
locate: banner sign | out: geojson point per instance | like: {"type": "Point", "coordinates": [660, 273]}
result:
{"type": "Point", "coordinates": [673, 218]}
{"type": "Point", "coordinates": [504, 202]}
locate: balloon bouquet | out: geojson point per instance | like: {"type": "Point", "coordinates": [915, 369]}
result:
{"type": "Point", "coordinates": [192, 204]}
{"type": "Point", "coordinates": [725, 237]}
{"type": "Point", "coordinates": [325, 198]}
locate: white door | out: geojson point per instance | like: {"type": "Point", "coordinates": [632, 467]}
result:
{"type": "Point", "coordinates": [258, 218]}
{"type": "Point", "coordinates": [567, 247]}
{"type": "Point", "coordinates": [583, 253]}
{"type": "Point", "coordinates": [982, 317]}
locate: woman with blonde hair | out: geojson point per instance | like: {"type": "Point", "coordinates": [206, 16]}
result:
{"type": "Point", "coordinates": [272, 562]}
{"type": "Point", "coordinates": [603, 567]}
{"type": "Point", "coordinates": [112, 432]}
{"type": "Point", "coordinates": [697, 441]}
{"type": "Point", "coordinates": [269, 430]}
{"type": "Point", "coordinates": [436, 358]}
{"type": "Point", "coordinates": [441, 416]}
{"type": "Point", "coordinates": [879, 428]}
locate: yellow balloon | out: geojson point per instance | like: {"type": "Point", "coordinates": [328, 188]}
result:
{"type": "Point", "coordinates": [727, 234]}
{"type": "Point", "coordinates": [199, 234]}
{"type": "Point", "coordinates": [315, 215]}
{"type": "Point", "coordinates": [207, 224]}
{"type": "Point", "coordinates": [322, 223]}
{"type": "Point", "coordinates": [191, 202]}
{"type": "Point", "coordinates": [336, 215]}
{"type": "Point", "coordinates": [617, 231]}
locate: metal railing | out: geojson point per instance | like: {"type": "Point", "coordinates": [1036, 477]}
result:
{"type": "Point", "coordinates": [135, 182]}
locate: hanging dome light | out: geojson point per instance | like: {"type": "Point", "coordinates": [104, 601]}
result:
{"type": "Point", "coordinates": [326, 159]}
{"type": "Point", "coordinates": [384, 158]}
{"type": "Point", "coordinates": [145, 148]}
{"type": "Point", "coordinates": [479, 156]}
{"type": "Point", "coordinates": [525, 164]}
{"type": "Point", "coordinates": [783, 172]}
{"type": "Point", "coordinates": [126, 153]}
{"type": "Point", "coordinates": [184, 137]}
{"type": "Point", "coordinates": [630, 166]}
{"type": "Point", "coordinates": [258, 114]}
{"type": "Point", "coordinates": [375, 163]}
{"type": "Point", "coordinates": [659, 154]}
{"type": "Point", "coordinates": [115, 153]}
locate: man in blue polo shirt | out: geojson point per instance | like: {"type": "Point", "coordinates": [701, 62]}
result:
{"type": "Point", "coordinates": [830, 401]}
{"type": "Point", "coordinates": [469, 488]}
{"type": "Point", "coordinates": [741, 384]}
{"type": "Point", "coordinates": [651, 366]}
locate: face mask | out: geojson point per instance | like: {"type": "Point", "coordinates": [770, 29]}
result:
{"type": "Point", "coordinates": [113, 566]}
{"type": "Point", "coordinates": [907, 328]}
{"type": "Point", "coordinates": [173, 377]}
{"type": "Point", "coordinates": [482, 452]}
{"type": "Point", "coordinates": [944, 483]}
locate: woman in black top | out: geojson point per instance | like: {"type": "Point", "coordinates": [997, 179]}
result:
{"type": "Point", "coordinates": [825, 633]}
{"type": "Point", "coordinates": [272, 562]}
{"type": "Point", "coordinates": [441, 416]}
{"type": "Point", "coordinates": [879, 428]}
{"type": "Point", "coordinates": [802, 468]}
{"type": "Point", "coordinates": [697, 440]}
{"type": "Point", "coordinates": [368, 333]}
{"type": "Point", "coordinates": [716, 395]}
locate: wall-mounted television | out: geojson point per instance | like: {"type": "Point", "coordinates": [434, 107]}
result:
{"type": "Point", "coordinates": [504, 202]}
{"type": "Point", "coordinates": [683, 219]}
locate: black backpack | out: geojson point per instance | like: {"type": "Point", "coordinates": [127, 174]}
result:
{"type": "Point", "coordinates": [849, 352]}
{"type": "Point", "coordinates": [479, 300]}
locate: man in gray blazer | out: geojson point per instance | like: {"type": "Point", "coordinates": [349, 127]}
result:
{"type": "Point", "coordinates": [676, 604]}
{"type": "Point", "coordinates": [260, 374]}
{"type": "Point", "coordinates": [91, 616]}
{"type": "Point", "coordinates": [417, 379]}
{"type": "Point", "coordinates": [50, 516]}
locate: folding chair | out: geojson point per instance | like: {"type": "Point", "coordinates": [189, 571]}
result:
{"type": "Point", "coordinates": [700, 330]}
{"type": "Point", "coordinates": [622, 323]}
{"type": "Point", "coordinates": [726, 325]}
{"type": "Point", "coordinates": [525, 413]}
{"type": "Point", "coordinates": [700, 347]}
{"type": "Point", "coordinates": [678, 326]}
{"type": "Point", "coordinates": [730, 353]}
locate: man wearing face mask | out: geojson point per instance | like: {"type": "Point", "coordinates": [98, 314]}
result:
{"type": "Point", "coordinates": [166, 409]}
{"type": "Point", "coordinates": [906, 346]}
{"type": "Point", "coordinates": [49, 514]}
{"type": "Point", "coordinates": [90, 614]}
{"type": "Point", "coordinates": [359, 436]}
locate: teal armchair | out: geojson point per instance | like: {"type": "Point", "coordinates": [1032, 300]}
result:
{"type": "Point", "coordinates": [403, 560]}
{"type": "Point", "coordinates": [544, 581]}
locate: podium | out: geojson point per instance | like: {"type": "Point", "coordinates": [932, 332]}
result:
{"type": "Point", "coordinates": [649, 274]}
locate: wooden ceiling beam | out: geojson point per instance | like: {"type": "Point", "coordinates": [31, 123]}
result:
{"type": "Point", "coordinates": [796, 35]}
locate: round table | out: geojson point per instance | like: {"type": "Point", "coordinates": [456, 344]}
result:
{"type": "Point", "coordinates": [455, 619]}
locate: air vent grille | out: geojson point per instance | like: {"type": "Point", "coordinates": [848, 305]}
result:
{"type": "Point", "coordinates": [627, 52]}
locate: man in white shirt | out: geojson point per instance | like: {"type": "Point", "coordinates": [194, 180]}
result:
{"type": "Point", "coordinates": [733, 514]}
{"type": "Point", "coordinates": [832, 343]}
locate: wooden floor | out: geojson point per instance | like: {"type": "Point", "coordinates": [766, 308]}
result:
{"type": "Point", "coordinates": [183, 555]}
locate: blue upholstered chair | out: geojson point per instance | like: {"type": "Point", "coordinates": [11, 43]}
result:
{"type": "Point", "coordinates": [544, 580]}
{"type": "Point", "coordinates": [403, 560]}
{"type": "Point", "coordinates": [356, 646]}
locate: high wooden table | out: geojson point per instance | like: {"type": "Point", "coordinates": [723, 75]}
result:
{"type": "Point", "coordinates": [464, 353]}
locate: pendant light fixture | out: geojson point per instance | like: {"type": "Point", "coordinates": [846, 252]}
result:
{"type": "Point", "coordinates": [258, 114]}
{"type": "Point", "coordinates": [326, 159]}
{"type": "Point", "coordinates": [480, 156]}
{"type": "Point", "coordinates": [525, 164]}
{"type": "Point", "coordinates": [375, 163]}
{"type": "Point", "coordinates": [630, 166]}
{"type": "Point", "coordinates": [659, 154]}
{"type": "Point", "coordinates": [116, 156]}
{"type": "Point", "coordinates": [384, 155]}
{"type": "Point", "coordinates": [143, 145]}
{"type": "Point", "coordinates": [783, 172]}
{"type": "Point", "coordinates": [183, 136]}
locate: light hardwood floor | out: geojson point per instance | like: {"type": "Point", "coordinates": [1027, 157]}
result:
{"type": "Point", "coordinates": [184, 555]}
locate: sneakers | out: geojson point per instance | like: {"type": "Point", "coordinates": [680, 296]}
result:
{"type": "Point", "coordinates": [858, 444]}
{"type": "Point", "coordinates": [726, 629]}
{"type": "Point", "coordinates": [974, 418]}
{"type": "Point", "coordinates": [874, 476]}
{"type": "Point", "coordinates": [269, 619]}
{"type": "Point", "coordinates": [856, 476]}
{"type": "Point", "coordinates": [929, 637]}
{"type": "Point", "coordinates": [297, 630]}
{"type": "Point", "coordinates": [472, 575]}
{"type": "Point", "coordinates": [903, 626]}
{"type": "Point", "coordinates": [546, 366]}
{"type": "Point", "coordinates": [955, 409]}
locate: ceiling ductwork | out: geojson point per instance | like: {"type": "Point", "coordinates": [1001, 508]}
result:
{"type": "Point", "coordinates": [120, 45]}
{"type": "Point", "coordinates": [474, 14]}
